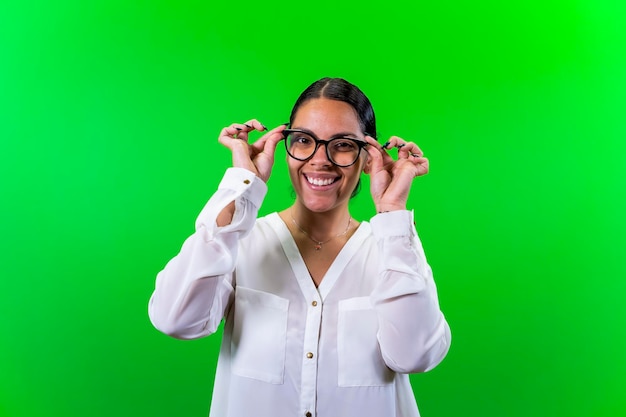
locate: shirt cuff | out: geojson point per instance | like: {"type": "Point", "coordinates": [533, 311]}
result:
{"type": "Point", "coordinates": [244, 183]}
{"type": "Point", "coordinates": [393, 223]}
{"type": "Point", "coordinates": [237, 185]}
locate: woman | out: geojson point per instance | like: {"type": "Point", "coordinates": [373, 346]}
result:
{"type": "Point", "coordinates": [324, 316]}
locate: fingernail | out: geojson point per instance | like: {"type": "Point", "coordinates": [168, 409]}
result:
{"type": "Point", "coordinates": [415, 155]}
{"type": "Point", "coordinates": [400, 145]}
{"type": "Point", "coordinates": [386, 144]}
{"type": "Point", "coordinates": [248, 126]}
{"type": "Point", "coordinates": [286, 124]}
{"type": "Point", "coordinates": [238, 128]}
{"type": "Point", "coordinates": [264, 128]}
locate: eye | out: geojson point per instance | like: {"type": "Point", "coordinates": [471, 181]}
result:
{"type": "Point", "coordinates": [344, 145]}
{"type": "Point", "coordinates": [300, 139]}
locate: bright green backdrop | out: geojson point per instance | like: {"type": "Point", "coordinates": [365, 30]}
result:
{"type": "Point", "coordinates": [109, 114]}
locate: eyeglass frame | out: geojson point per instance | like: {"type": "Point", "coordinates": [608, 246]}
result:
{"type": "Point", "coordinates": [360, 143]}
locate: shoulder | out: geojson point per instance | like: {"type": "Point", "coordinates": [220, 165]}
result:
{"type": "Point", "coordinates": [269, 220]}
{"type": "Point", "coordinates": [265, 228]}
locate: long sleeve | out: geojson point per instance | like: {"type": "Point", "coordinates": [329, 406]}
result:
{"type": "Point", "coordinates": [195, 288]}
{"type": "Point", "coordinates": [413, 333]}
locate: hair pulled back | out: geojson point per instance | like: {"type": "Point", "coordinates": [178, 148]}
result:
{"type": "Point", "coordinates": [341, 90]}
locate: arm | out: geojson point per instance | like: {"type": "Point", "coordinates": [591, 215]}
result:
{"type": "Point", "coordinates": [413, 333]}
{"type": "Point", "coordinates": [194, 289]}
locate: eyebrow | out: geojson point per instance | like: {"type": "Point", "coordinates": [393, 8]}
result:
{"type": "Point", "coordinates": [350, 135]}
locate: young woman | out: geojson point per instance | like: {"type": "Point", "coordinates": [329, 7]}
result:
{"type": "Point", "coordinates": [324, 315]}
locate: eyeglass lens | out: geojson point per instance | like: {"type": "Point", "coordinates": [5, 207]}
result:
{"type": "Point", "coordinates": [340, 151]}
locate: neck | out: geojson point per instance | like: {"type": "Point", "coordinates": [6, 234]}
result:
{"type": "Point", "coordinates": [321, 225]}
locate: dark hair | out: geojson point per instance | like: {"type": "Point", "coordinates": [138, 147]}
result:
{"type": "Point", "coordinates": [341, 90]}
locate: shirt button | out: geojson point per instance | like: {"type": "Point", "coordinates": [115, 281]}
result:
{"type": "Point", "coordinates": [309, 355]}
{"type": "Point", "coordinates": [314, 303]}
{"type": "Point", "coordinates": [246, 181]}
{"type": "Point", "coordinates": [308, 414]}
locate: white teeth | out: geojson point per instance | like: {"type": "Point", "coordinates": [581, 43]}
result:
{"type": "Point", "coordinates": [319, 181]}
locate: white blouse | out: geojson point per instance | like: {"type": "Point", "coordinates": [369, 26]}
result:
{"type": "Point", "coordinates": [290, 349]}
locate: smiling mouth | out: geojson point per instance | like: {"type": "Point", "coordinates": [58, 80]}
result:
{"type": "Point", "coordinates": [321, 181]}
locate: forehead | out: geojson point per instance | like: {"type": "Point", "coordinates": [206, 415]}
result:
{"type": "Point", "coordinates": [326, 117]}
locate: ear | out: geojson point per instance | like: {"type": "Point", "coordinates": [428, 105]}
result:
{"type": "Point", "coordinates": [367, 166]}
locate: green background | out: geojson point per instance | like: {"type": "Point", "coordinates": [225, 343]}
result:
{"type": "Point", "coordinates": [109, 116]}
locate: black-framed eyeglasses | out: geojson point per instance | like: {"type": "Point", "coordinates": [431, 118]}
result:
{"type": "Point", "coordinates": [341, 151]}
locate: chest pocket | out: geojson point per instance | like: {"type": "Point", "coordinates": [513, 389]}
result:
{"type": "Point", "coordinates": [360, 360]}
{"type": "Point", "coordinates": [258, 344]}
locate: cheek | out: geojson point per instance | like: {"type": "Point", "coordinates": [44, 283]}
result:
{"type": "Point", "coordinates": [362, 165]}
{"type": "Point", "coordinates": [293, 167]}
{"type": "Point", "coordinates": [354, 174]}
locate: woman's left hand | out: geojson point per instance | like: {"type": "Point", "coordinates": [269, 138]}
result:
{"type": "Point", "coordinates": [390, 180]}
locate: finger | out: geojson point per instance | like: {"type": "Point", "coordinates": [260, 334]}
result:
{"type": "Point", "coordinates": [249, 126]}
{"type": "Point", "coordinates": [272, 141]}
{"type": "Point", "coordinates": [376, 155]}
{"type": "Point", "coordinates": [271, 138]}
{"type": "Point", "coordinates": [394, 142]}
{"type": "Point", "coordinates": [405, 149]}
{"type": "Point", "coordinates": [421, 164]}
{"type": "Point", "coordinates": [240, 149]}
{"type": "Point", "coordinates": [254, 124]}
{"type": "Point", "coordinates": [410, 149]}
{"type": "Point", "coordinates": [231, 138]}
{"type": "Point", "coordinates": [241, 130]}
{"type": "Point", "coordinates": [235, 131]}
{"type": "Point", "coordinates": [398, 143]}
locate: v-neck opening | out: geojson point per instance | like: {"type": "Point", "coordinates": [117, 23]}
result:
{"type": "Point", "coordinates": [303, 276]}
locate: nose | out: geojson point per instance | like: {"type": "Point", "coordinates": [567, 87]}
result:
{"type": "Point", "coordinates": [320, 157]}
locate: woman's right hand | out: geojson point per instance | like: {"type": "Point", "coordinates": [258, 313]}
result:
{"type": "Point", "coordinates": [257, 157]}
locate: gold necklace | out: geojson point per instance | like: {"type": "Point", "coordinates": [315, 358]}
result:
{"type": "Point", "coordinates": [318, 244]}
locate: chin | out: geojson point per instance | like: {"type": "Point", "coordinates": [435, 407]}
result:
{"type": "Point", "coordinates": [316, 206]}
{"type": "Point", "coordinates": [320, 204]}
